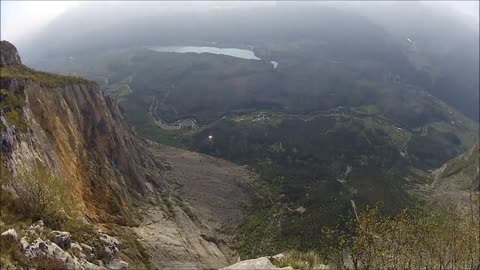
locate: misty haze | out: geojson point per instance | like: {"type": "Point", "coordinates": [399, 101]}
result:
{"type": "Point", "coordinates": [239, 135]}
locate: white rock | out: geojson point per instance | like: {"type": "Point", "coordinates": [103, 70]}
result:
{"type": "Point", "coordinates": [76, 245]}
{"type": "Point", "coordinates": [62, 239]}
{"type": "Point", "coordinates": [10, 233]}
{"type": "Point", "coordinates": [278, 256]}
{"type": "Point", "coordinates": [52, 250]}
{"type": "Point", "coordinates": [262, 263]}
{"type": "Point", "coordinates": [301, 209]}
{"type": "Point", "coordinates": [90, 266]}
{"type": "Point", "coordinates": [24, 243]}
{"type": "Point", "coordinates": [117, 264]}
{"type": "Point", "coordinates": [39, 225]}
{"type": "Point", "coordinates": [109, 240]}
{"type": "Point", "coordinates": [87, 250]}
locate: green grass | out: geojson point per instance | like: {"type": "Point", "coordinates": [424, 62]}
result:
{"type": "Point", "coordinates": [175, 138]}
{"type": "Point", "coordinates": [118, 90]}
{"type": "Point", "coordinates": [467, 164]}
{"type": "Point", "coordinates": [12, 104]}
{"type": "Point", "coordinates": [366, 109]}
{"type": "Point", "coordinates": [42, 78]}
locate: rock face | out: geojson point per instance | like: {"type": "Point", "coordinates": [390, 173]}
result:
{"type": "Point", "coordinates": [82, 136]}
{"type": "Point", "coordinates": [8, 54]}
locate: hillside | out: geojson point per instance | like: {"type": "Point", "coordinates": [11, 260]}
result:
{"type": "Point", "coordinates": [62, 133]}
{"type": "Point", "coordinates": [372, 40]}
{"type": "Point", "coordinates": [456, 184]}
{"type": "Point", "coordinates": [319, 134]}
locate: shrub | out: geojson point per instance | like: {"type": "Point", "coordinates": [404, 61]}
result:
{"type": "Point", "coordinates": [11, 253]}
{"type": "Point", "coordinates": [300, 260]}
{"type": "Point", "coordinates": [43, 196]}
{"type": "Point", "coordinates": [11, 103]}
{"type": "Point", "coordinates": [412, 239]}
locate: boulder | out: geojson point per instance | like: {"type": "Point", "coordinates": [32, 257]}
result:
{"type": "Point", "coordinates": [87, 251]}
{"type": "Point", "coordinates": [110, 250]}
{"type": "Point", "coordinates": [39, 225]}
{"type": "Point", "coordinates": [106, 254]}
{"type": "Point", "coordinates": [62, 239]}
{"type": "Point", "coordinates": [278, 256]}
{"type": "Point", "coordinates": [76, 246]}
{"type": "Point", "coordinates": [117, 264]}
{"type": "Point", "coordinates": [24, 243]}
{"type": "Point", "coordinates": [9, 233]}
{"type": "Point", "coordinates": [90, 266]}
{"type": "Point", "coordinates": [77, 250]}
{"type": "Point", "coordinates": [109, 240]}
{"type": "Point", "coordinates": [262, 263]}
{"type": "Point", "coordinates": [8, 54]}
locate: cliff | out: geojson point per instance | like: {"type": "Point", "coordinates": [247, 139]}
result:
{"type": "Point", "coordinates": [120, 184]}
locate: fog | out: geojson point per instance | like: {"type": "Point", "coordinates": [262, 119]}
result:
{"type": "Point", "coordinates": [57, 27]}
{"type": "Point", "coordinates": [21, 18]}
{"type": "Point", "coordinates": [397, 34]}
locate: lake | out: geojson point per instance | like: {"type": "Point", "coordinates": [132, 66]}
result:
{"type": "Point", "coordinates": [239, 53]}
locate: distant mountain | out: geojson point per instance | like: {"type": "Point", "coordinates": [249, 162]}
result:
{"type": "Point", "coordinates": [439, 54]}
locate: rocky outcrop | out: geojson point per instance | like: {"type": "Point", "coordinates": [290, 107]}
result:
{"type": "Point", "coordinates": [8, 54]}
{"type": "Point", "coordinates": [62, 239]}
{"type": "Point", "coordinates": [70, 255]}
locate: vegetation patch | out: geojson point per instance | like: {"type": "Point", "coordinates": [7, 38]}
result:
{"type": "Point", "coordinates": [11, 104]}
{"type": "Point", "coordinates": [42, 78]}
{"type": "Point", "coordinates": [44, 196]}
{"type": "Point", "coordinates": [135, 253]}
{"type": "Point", "coordinates": [413, 239]}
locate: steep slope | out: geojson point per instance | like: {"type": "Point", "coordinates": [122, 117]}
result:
{"type": "Point", "coordinates": [73, 129]}
{"type": "Point", "coordinates": [214, 196]}
{"type": "Point", "coordinates": [456, 183]}
{"type": "Point", "coordinates": [120, 184]}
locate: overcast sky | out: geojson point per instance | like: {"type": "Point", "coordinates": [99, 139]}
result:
{"type": "Point", "coordinates": [19, 18]}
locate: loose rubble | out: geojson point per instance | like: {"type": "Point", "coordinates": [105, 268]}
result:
{"type": "Point", "coordinates": [61, 248]}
